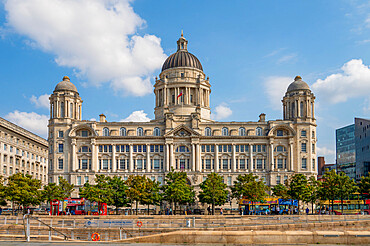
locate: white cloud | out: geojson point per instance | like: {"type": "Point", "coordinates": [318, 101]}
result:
{"type": "Point", "coordinates": [137, 116]}
{"type": "Point", "coordinates": [275, 87]}
{"type": "Point", "coordinates": [325, 151]}
{"type": "Point", "coordinates": [222, 111]}
{"type": "Point", "coordinates": [286, 58]}
{"type": "Point", "coordinates": [41, 101]}
{"type": "Point", "coordinates": [33, 122]}
{"type": "Point", "coordinates": [92, 119]}
{"type": "Point", "coordinates": [96, 37]}
{"type": "Point", "coordinates": [353, 81]}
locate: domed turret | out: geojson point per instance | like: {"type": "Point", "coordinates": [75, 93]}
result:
{"type": "Point", "coordinates": [298, 84]}
{"type": "Point", "coordinates": [182, 58]}
{"type": "Point", "coordinates": [65, 85]}
{"type": "Point", "coordinates": [298, 102]}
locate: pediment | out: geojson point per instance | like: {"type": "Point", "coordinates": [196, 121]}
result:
{"type": "Point", "coordinates": [182, 131]}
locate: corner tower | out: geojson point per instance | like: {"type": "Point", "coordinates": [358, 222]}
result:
{"type": "Point", "coordinates": [65, 109]}
{"type": "Point", "coordinates": [182, 88]}
{"type": "Point", "coordinates": [299, 102]}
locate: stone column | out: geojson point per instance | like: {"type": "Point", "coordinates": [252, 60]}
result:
{"type": "Point", "coordinates": [165, 96]}
{"type": "Point", "coordinates": [273, 167]}
{"type": "Point", "coordinates": [172, 157]}
{"type": "Point", "coordinates": [94, 159]}
{"type": "Point", "coordinates": [167, 159]}
{"type": "Point", "coordinates": [74, 159]}
{"type": "Point", "coordinates": [193, 155]}
{"type": "Point", "coordinates": [291, 156]}
{"type": "Point", "coordinates": [131, 162]}
{"type": "Point", "coordinates": [114, 165]}
{"type": "Point", "coordinates": [198, 159]}
{"type": "Point", "coordinates": [216, 159]}
{"type": "Point", "coordinates": [251, 157]}
{"type": "Point", "coordinates": [233, 168]}
{"type": "Point", "coordinates": [148, 158]}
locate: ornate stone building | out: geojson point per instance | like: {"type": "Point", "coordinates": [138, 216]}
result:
{"type": "Point", "coordinates": [22, 151]}
{"type": "Point", "coordinates": [182, 136]}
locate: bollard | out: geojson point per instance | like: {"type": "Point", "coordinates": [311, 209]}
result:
{"type": "Point", "coordinates": [16, 220]}
{"type": "Point", "coordinates": [28, 228]}
{"type": "Point", "coordinates": [62, 223]}
{"type": "Point", "coordinates": [188, 223]}
{"type": "Point", "coordinates": [49, 234]}
{"type": "Point", "coordinates": [120, 234]}
{"type": "Point", "coordinates": [194, 222]}
{"type": "Point", "coordinates": [5, 220]}
{"type": "Point", "coordinates": [125, 235]}
{"type": "Point", "coordinates": [72, 235]}
{"type": "Point", "coordinates": [74, 223]}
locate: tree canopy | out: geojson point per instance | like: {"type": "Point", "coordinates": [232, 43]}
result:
{"type": "Point", "coordinates": [213, 191]}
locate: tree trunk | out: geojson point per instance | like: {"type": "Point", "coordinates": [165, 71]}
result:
{"type": "Point", "coordinates": [341, 202]}
{"type": "Point", "coordinates": [148, 209]}
{"type": "Point", "coordinates": [332, 205]}
{"type": "Point", "coordinates": [174, 209]}
{"type": "Point", "coordinates": [213, 207]}
{"type": "Point", "coordinates": [298, 207]}
{"type": "Point", "coordinates": [312, 208]}
{"type": "Point", "coordinates": [137, 204]}
{"type": "Point", "coordinates": [116, 210]}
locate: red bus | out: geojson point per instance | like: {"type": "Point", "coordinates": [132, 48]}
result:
{"type": "Point", "coordinates": [77, 206]}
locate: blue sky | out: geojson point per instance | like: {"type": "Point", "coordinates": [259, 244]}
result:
{"type": "Point", "coordinates": [251, 50]}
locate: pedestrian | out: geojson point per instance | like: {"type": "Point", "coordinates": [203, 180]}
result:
{"type": "Point", "coordinates": [209, 210]}
{"type": "Point", "coordinates": [307, 210]}
{"type": "Point", "coordinates": [221, 212]}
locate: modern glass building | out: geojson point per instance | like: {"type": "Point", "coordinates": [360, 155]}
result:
{"type": "Point", "coordinates": [362, 137]}
{"type": "Point", "coordinates": [346, 150]}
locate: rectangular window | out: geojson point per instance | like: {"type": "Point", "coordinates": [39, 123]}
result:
{"type": "Point", "coordinates": [313, 164]}
{"type": "Point", "coordinates": [105, 164]}
{"type": "Point", "coordinates": [225, 148]}
{"type": "Point", "coordinates": [60, 163]}
{"type": "Point", "coordinates": [60, 148]}
{"type": "Point", "coordinates": [303, 133]}
{"type": "Point", "coordinates": [5, 147]}
{"type": "Point", "coordinates": [139, 164]}
{"type": "Point", "coordinates": [160, 180]}
{"type": "Point", "coordinates": [313, 134]}
{"type": "Point", "coordinates": [122, 164]}
{"type": "Point", "coordinates": [277, 180]}
{"type": "Point", "coordinates": [229, 148]}
{"type": "Point", "coordinates": [84, 164]}
{"type": "Point", "coordinates": [11, 148]}
{"type": "Point", "coordinates": [60, 134]}
{"type": "Point", "coordinates": [279, 133]}
{"type": "Point", "coordinates": [285, 179]}
{"type": "Point", "coordinates": [242, 163]}
{"type": "Point", "coordinates": [313, 148]}
{"type": "Point", "coordinates": [86, 179]}
{"type": "Point", "coordinates": [203, 148]}
{"type": "Point", "coordinates": [5, 158]}
{"type": "Point", "coordinates": [78, 180]}
{"type": "Point", "coordinates": [225, 164]}
{"type": "Point", "coordinates": [208, 164]}
{"type": "Point", "coordinates": [156, 163]}
{"type": "Point", "coordinates": [280, 163]}
{"type": "Point", "coordinates": [4, 170]}
{"type": "Point", "coordinates": [85, 134]}
{"type": "Point", "coordinates": [303, 147]}
{"type": "Point", "coordinates": [259, 163]}
{"type": "Point", "coordinates": [304, 163]}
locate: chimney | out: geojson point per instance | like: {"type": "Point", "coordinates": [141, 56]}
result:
{"type": "Point", "coordinates": [321, 164]}
{"type": "Point", "coordinates": [102, 118]}
{"type": "Point", "coordinates": [262, 117]}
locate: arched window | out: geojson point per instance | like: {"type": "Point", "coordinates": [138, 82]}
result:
{"type": "Point", "coordinates": [293, 109]}
{"type": "Point", "coordinates": [182, 149]}
{"type": "Point", "coordinates": [71, 110]}
{"type": "Point", "coordinates": [241, 131]}
{"type": "Point", "coordinates": [105, 131]}
{"type": "Point", "coordinates": [225, 131]}
{"type": "Point", "coordinates": [157, 132]}
{"type": "Point", "coordinates": [208, 131]}
{"type": "Point", "coordinates": [259, 131]}
{"type": "Point", "coordinates": [62, 109]}
{"type": "Point", "coordinates": [139, 131]}
{"type": "Point", "coordinates": [122, 131]}
{"type": "Point", "coordinates": [302, 109]}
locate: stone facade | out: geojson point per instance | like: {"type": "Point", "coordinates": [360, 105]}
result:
{"type": "Point", "coordinates": [22, 151]}
{"type": "Point", "coordinates": [182, 136]}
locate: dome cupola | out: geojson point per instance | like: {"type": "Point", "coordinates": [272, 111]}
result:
{"type": "Point", "coordinates": [182, 58]}
{"type": "Point", "coordinates": [65, 85]}
{"type": "Point", "coordinates": [298, 84]}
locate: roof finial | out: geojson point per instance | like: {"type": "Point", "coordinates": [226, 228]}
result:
{"type": "Point", "coordinates": [182, 33]}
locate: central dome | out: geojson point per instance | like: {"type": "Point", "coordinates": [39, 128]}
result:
{"type": "Point", "coordinates": [182, 58]}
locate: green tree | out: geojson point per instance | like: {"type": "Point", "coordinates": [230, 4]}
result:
{"type": "Point", "coordinates": [100, 192]}
{"type": "Point", "coordinates": [329, 188]}
{"type": "Point", "coordinates": [51, 192]}
{"type": "Point", "coordinates": [23, 190]}
{"type": "Point", "coordinates": [313, 195]}
{"type": "Point", "coordinates": [137, 189]}
{"type": "Point", "coordinates": [152, 194]}
{"type": "Point", "coordinates": [65, 187]}
{"type": "Point", "coordinates": [2, 192]}
{"type": "Point", "coordinates": [364, 184]}
{"type": "Point", "coordinates": [118, 191]}
{"type": "Point", "coordinates": [177, 190]}
{"type": "Point", "coordinates": [298, 188]}
{"type": "Point", "coordinates": [249, 187]}
{"type": "Point", "coordinates": [281, 191]}
{"type": "Point", "coordinates": [345, 187]}
{"type": "Point", "coordinates": [213, 191]}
